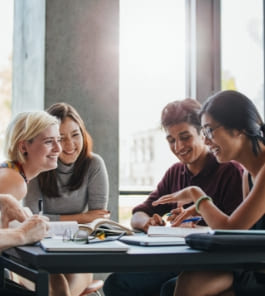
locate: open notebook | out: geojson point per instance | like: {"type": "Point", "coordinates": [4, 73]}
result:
{"type": "Point", "coordinates": [57, 228]}
{"type": "Point", "coordinates": [58, 245]}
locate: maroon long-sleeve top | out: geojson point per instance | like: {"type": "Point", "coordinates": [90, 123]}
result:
{"type": "Point", "coordinates": [221, 181]}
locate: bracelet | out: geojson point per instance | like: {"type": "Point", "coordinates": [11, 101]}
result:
{"type": "Point", "coordinates": [197, 203]}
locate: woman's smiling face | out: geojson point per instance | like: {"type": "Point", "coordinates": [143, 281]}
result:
{"type": "Point", "coordinates": [223, 143]}
{"type": "Point", "coordinates": [71, 141]}
{"type": "Point", "coordinates": [44, 149]}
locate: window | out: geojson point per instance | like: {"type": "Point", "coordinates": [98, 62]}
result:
{"type": "Point", "coordinates": [224, 48]}
{"type": "Point", "coordinates": [6, 35]}
{"type": "Point", "coordinates": [152, 73]}
{"type": "Point", "coordinates": [242, 48]}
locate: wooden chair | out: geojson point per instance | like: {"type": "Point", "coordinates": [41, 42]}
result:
{"type": "Point", "coordinates": [93, 288]}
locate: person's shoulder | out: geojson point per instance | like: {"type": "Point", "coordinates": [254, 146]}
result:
{"type": "Point", "coordinates": [229, 165]}
{"type": "Point", "coordinates": [176, 165]}
{"type": "Point", "coordinates": [232, 164]}
{"type": "Point", "coordinates": [96, 161]}
{"type": "Point", "coordinates": [7, 172]}
{"type": "Point", "coordinates": [96, 158]}
{"type": "Point", "coordinates": [174, 170]}
{"type": "Point", "coordinates": [11, 181]}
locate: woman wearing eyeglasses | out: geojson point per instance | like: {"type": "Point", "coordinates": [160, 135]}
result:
{"type": "Point", "coordinates": [195, 165]}
{"type": "Point", "coordinates": [233, 130]}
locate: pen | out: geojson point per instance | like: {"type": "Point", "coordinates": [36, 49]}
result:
{"type": "Point", "coordinates": [193, 219]}
{"type": "Point", "coordinates": [40, 201]}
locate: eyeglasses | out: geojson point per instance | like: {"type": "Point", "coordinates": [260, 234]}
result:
{"type": "Point", "coordinates": [83, 237]}
{"type": "Point", "coordinates": [207, 131]}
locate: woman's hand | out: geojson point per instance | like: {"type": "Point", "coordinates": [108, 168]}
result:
{"type": "Point", "coordinates": [86, 217]}
{"type": "Point", "coordinates": [179, 214]}
{"type": "Point", "coordinates": [91, 215]}
{"type": "Point", "coordinates": [11, 210]}
{"type": "Point", "coordinates": [33, 229]}
{"type": "Point", "coordinates": [182, 197]}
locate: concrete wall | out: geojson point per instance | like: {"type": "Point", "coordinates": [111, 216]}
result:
{"type": "Point", "coordinates": [67, 50]}
{"type": "Point", "coordinates": [28, 55]}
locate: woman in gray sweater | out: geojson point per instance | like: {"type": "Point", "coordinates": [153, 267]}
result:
{"type": "Point", "coordinates": [78, 188]}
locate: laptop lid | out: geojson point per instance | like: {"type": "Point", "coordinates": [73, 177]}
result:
{"type": "Point", "coordinates": [145, 240]}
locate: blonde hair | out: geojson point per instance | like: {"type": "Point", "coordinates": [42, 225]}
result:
{"type": "Point", "coordinates": [25, 127]}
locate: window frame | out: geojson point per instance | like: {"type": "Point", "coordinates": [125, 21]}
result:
{"type": "Point", "coordinates": [202, 41]}
{"type": "Point", "coordinates": [203, 53]}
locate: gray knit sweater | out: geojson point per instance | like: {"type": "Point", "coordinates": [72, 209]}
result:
{"type": "Point", "coordinates": [93, 193]}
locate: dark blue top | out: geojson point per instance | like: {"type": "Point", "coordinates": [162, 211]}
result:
{"type": "Point", "coordinates": [260, 224]}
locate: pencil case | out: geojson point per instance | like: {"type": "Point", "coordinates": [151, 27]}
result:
{"type": "Point", "coordinates": [225, 242]}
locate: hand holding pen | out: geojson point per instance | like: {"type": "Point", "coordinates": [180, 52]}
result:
{"type": "Point", "coordinates": [180, 216]}
{"type": "Point", "coordinates": [192, 219]}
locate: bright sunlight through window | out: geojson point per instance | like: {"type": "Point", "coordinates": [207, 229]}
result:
{"type": "Point", "coordinates": [152, 73]}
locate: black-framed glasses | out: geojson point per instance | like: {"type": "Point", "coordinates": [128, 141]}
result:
{"type": "Point", "coordinates": [83, 237]}
{"type": "Point", "coordinates": [207, 131]}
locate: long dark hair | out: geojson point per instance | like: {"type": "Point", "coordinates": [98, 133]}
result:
{"type": "Point", "coordinates": [48, 180]}
{"type": "Point", "coordinates": [233, 110]}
